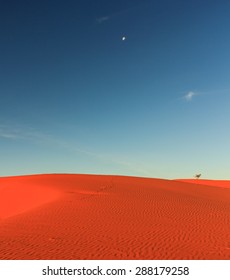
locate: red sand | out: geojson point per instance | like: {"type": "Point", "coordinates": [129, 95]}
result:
{"type": "Point", "coordinates": [113, 217]}
{"type": "Point", "coordinates": [217, 183]}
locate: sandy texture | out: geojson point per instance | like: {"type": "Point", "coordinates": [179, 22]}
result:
{"type": "Point", "coordinates": [61, 216]}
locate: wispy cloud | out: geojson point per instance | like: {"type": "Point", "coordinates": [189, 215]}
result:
{"type": "Point", "coordinates": [17, 132]}
{"type": "Point", "coordinates": [31, 135]}
{"type": "Point", "coordinates": [9, 135]}
{"type": "Point", "coordinates": [6, 131]}
{"type": "Point", "coordinates": [189, 96]}
{"type": "Point", "coordinates": [103, 19]}
{"type": "Point", "coordinates": [123, 12]}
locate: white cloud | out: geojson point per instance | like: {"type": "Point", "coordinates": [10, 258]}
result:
{"type": "Point", "coordinates": [189, 96]}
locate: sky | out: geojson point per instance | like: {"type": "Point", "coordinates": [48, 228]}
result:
{"type": "Point", "coordinates": [76, 98]}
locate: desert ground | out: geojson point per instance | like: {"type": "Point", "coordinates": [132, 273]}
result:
{"type": "Point", "coordinates": [92, 217]}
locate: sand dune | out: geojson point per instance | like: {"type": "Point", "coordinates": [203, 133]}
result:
{"type": "Point", "coordinates": [62, 216]}
{"type": "Point", "coordinates": [16, 198]}
{"type": "Point", "coordinates": [218, 183]}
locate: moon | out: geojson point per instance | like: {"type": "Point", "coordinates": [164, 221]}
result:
{"type": "Point", "coordinates": [123, 38]}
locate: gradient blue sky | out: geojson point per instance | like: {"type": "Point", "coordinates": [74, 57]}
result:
{"type": "Point", "coordinates": [75, 98]}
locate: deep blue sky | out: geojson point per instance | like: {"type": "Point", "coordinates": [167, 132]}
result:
{"type": "Point", "coordinates": [75, 98]}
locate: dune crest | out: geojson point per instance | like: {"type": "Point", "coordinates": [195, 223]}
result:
{"type": "Point", "coordinates": [217, 183]}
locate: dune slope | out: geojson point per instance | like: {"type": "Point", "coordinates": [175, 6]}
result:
{"type": "Point", "coordinates": [112, 217]}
